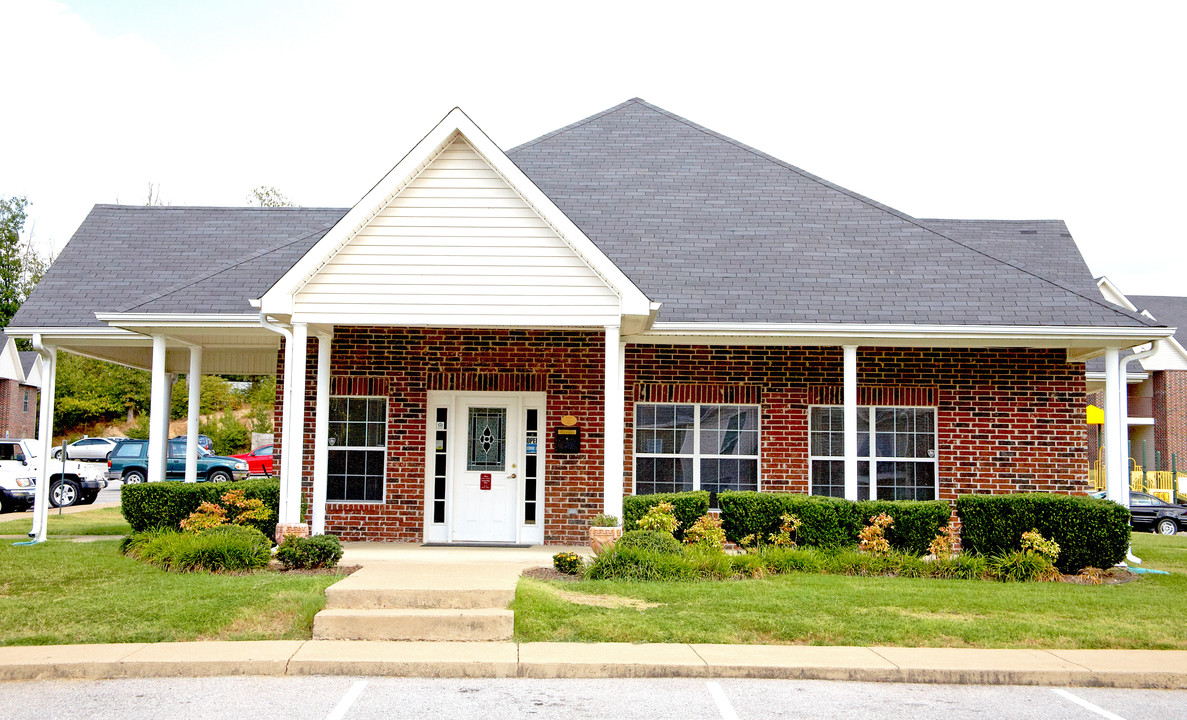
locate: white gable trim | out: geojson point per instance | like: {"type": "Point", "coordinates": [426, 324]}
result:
{"type": "Point", "coordinates": [1113, 294]}
{"type": "Point", "coordinates": [10, 362]}
{"type": "Point", "coordinates": [279, 298]}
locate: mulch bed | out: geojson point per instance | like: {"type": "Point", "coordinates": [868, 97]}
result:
{"type": "Point", "coordinates": [547, 573]}
{"type": "Point", "coordinates": [340, 570]}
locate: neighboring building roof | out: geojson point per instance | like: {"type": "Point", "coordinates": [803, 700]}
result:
{"type": "Point", "coordinates": [28, 360]}
{"type": "Point", "coordinates": [713, 229]}
{"type": "Point", "coordinates": [1169, 310]}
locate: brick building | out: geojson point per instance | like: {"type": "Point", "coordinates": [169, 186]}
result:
{"type": "Point", "coordinates": [20, 379]}
{"type": "Point", "coordinates": [1156, 387]}
{"type": "Point", "coordinates": [493, 346]}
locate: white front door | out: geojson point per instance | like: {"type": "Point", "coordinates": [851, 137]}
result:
{"type": "Point", "coordinates": [487, 462]}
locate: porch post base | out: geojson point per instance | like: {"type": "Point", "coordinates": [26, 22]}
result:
{"type": "Point", "coordinates": [284, 530]}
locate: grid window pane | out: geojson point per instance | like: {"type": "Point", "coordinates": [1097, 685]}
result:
{"type": "Point", "coordinates": [904, 450]}
{"type": "Point", "coordinates": [686, 446]}
{"type": "Point", "coordinates": [357, 453]}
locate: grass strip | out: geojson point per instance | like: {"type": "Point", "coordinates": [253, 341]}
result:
{"type": "Point", "coordinates": [101, 521]}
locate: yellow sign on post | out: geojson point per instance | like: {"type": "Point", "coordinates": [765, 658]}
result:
{"type": "Point", "coordinates": [1096, 416]}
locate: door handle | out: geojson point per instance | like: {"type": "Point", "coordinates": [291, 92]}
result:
{"type": "Point", "coordinates": [511, 476]}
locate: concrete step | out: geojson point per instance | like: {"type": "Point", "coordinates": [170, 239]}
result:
{"type": "Point", "coordinates": [347, 598]}
{"type": "Point", "coordinates": [413, 624]}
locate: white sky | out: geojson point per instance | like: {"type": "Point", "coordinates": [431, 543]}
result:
{"type": "Point", "coordinates": [1029, 110]}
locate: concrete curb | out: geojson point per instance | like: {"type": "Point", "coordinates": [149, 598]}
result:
{"type": "Point", "coordinates": [1150, 669]}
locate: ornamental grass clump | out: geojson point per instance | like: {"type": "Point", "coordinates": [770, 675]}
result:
{"type": "Point", "coordinates": [225, 548]}
{"type": "Point", "coordinates": [603, 520]}
{"type": "Point", "coordinates": [873, 536]}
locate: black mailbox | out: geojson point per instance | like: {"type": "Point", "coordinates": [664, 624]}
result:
{"type": "Point", "coordinates": [568, 440]}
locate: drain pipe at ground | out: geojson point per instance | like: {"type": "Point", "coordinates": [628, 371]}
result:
{"type": "Point", "coordinates": [285, 411]}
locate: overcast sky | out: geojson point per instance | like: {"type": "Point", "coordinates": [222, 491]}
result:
{"type": "Point", "coordinates": [1031, 110]}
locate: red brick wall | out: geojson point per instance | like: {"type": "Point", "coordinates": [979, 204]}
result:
{"type": "Point", "coordinates": [1007, 419]}
{"type": "Point", "coordinates": [1170, 416]}
{"type": "Point", "coordinates": [15, 420]}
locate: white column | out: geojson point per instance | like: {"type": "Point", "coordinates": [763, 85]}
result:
{"type": "Point", "coordinates": [158, 426]}
{"type": "Point", "coordinates": [321, 434]}
{"type": "Point", "coordinates": [613, 424]}
{"type": "Point", "coordinates": [194, 382]}
{"type": "Point", "coordinates": [45, 443]}
{"type": "Point", "coordinates": [286, 427]}
{"type": "Point", "coordinates": [295, 431]}
{"type": "Point", "coordinates": [850, 413]}
{"type": "Point", "coordinates": [1116, 425]}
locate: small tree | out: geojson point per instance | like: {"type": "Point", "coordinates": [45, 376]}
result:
{"type": "Point", "coordinates": [268, 196]}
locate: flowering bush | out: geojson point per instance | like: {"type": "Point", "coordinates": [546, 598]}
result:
{"type": "Point", "coordinates": [236, 509]}
{"type": "Point", "coordinates": [660, 517]}
{"type": "Point", "coordinates": [568, 563]}
{"type": "Point", "coordinates": [1034, 542]}
{"type": "Point", "coordinates": [944, 545]}
{"type": "Point", "coordinates": [788, 531]}
{"type": "Point", "coordinates": [706, 533]}
{"type": "Point", "coordinates": [873, 536]}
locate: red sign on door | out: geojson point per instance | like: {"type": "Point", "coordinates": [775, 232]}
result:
{"type": "Point", "coordinates": [484, 481]}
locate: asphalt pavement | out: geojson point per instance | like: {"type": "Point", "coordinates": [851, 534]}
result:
{"type": "Point", "coordinates": [353, 698]}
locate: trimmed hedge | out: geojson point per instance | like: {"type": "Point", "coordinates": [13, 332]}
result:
{"type": "Point", "coordinates": [163, 505]}
{"type": "Point", "coordinates": [831, 522]}
{"type": "Point", "coordinates": [1091, 532]}
{"type": "Point", "coordinates": [319, 551]}
{"type": "Point", "coordinates": [824, 521]}
{"type": "Point", "coordinates": [916, 522]}
{"type": "Point", "coordinates": [653, 540]}
{"type": "Point", "coordinates": [688, 507]}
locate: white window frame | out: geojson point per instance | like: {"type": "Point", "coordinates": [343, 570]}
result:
{"type": "Point", "coordinates": [873, 458]}
{"type": "Point", "coordinates": [696, 444]}
{"type": "Point", "coordinates": [369, 448]}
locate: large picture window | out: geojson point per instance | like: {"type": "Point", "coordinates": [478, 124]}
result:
{"type": "Point", "coordinates": [900, 448]}
{"type": "Point", "coordinates": [358, 449]}
{"type": "Point", "coordinates": [695, 447]}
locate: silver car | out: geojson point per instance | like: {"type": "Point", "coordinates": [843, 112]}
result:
{"type": "Point", "coordinates": [95, 448]}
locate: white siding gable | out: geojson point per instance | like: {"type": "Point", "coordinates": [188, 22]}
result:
{"type": "Point", "coordinates": [457, 246]}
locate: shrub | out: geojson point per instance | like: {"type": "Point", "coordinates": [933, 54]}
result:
{"type": "Point", "coordinates": [619, 563]}
{"type": "Point", "coordinates": [228, 435]}
{"type": "Point", "coordinates": [603, 520]}
{"type": "Point", "coordinates": [824, 521]}
{"type": "Point", "coordinates": [686, 506]}
{"type": "Point", "coordinates": [916, 522]}
{"type": "Point", "coordinates": [660, 518]}
{"type": "Point", "coordinates": [650, 540]}
{"type": "Point", "coordinates": [706, 534]}
{"type": "Point", "coordinates": [568, 563]}
{"type": "Point", "coordinates": [319, 551]}
{"type": "Point", "coordinates": [207, 515]}
{"type": "Point", "coordinates": [1089, 531]}
{"type": "Point", "coordinates": [943, 546]}
{"type": "Point", "coordinates": [873, 536]}
{"type": "Point", "coordinates": [165, 504]}
{"type": "Point", "coordinates": [139, 430]}
{"type": "Point", "coordinates": [228, 548]}
{"type": "Point", "coordinates": [1022, 566]}
{"type": "Point", "coordinates": [1034, 542]}
{"type": "Point", "coordinates": [789, 527]}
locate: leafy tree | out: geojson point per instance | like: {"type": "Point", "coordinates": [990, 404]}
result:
{"type": "Point", "coordinates": [268, 196]}
{"type": "Point", "coordinates": [89, 390]}
{"type": "Point", "coordinates": [21, 265]}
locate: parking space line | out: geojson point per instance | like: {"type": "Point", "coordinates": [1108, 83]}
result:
{"type": "Point", "coordinates": [347, 700]}
{"type": "Point", "coordinates": [1087, 705]}
{"type": "Point", "coordinates": [722, 702]}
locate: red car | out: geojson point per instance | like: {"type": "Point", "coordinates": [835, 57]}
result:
{"type": "Point", "coordinates": [259, 461]}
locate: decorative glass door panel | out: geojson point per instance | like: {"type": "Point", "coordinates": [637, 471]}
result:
{"type": "Point", "coordinates": [487, 440]}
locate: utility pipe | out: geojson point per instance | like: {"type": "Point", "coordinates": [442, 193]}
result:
{"type": "Point", "coordinates": [285, 412]}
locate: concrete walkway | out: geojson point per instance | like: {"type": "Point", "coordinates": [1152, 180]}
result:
{"type": "Point", "coordinates": [1095, 668]}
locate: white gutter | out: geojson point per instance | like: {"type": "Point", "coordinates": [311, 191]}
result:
{"type": "Point", "coordinates": [286, 413]}
{"type": "Point", "coordinates": [45, 440]}
{"type": "Point", "coordinates": [904, 331]}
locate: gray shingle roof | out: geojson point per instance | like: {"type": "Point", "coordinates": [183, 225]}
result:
{"type": "Point", "coordinates": [28, 358]}
{"type": "Point", "coordinates": [718, 231]}
{"type": "Point", "coordinates": [1170, 310]}
{"type": "Point", "coordinates": [715, 230]}
{"type": "Point", "coordinates": [171, 259]}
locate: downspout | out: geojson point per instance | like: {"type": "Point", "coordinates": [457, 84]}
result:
{"type": "Point", "coordinates": [285, 414]}
{"type": "Point", "coordinates": [1123, 404]}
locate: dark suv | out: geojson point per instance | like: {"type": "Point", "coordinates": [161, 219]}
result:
{"type": "Point", "coordinates": [128, 461]}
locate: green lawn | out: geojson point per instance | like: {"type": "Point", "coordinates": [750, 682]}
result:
{"type": "Point", "coordinates": [103, 521]}
{"type": "Point", "coordinates": [838, 610]}
{"type": "Point", "coordinates": [65, 592]}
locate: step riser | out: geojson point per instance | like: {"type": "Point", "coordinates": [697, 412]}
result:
{"type": "Point", "coordinates": [413, 628]}
{"type": "Point", "coordinates": [418, 599]}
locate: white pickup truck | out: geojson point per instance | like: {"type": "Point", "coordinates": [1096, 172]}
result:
{"type": "Point", "coordinates": [79, 484]}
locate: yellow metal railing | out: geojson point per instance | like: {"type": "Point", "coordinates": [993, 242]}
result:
{"type": "Point", "coordinates": [1160, 483]}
